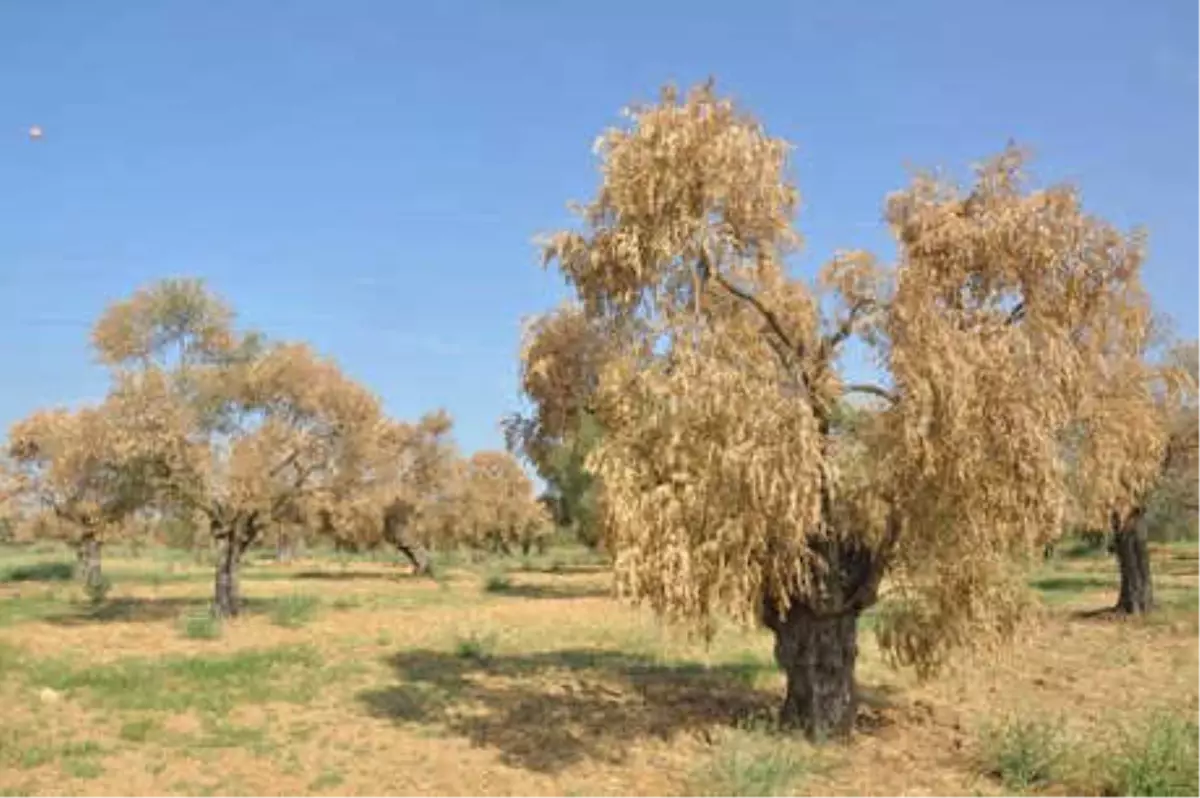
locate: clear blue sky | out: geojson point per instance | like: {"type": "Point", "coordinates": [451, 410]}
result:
{"type": "Point", "coordinates": [369, 175]}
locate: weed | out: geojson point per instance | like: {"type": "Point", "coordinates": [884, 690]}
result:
{"type": "Point", "coordinates": [754, 763]}
{"type": "Point", "coordinates": [497, 583]}
{"type": "Point", "coordinates": [1160, 758]}
{"type": "Point", "coordinates": [384, 639]}
{"type": "Point", "coordinates": [295, 610]}
{"type": "Point", "coordinates": [82, 768]}
{"type": "Point", "coordinates": [476, 647]}
{"type": "Point", "coordinates": [1022, 753]}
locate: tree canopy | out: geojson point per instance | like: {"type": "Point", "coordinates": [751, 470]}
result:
{"type": "Point", "coordinates": [728, 486]}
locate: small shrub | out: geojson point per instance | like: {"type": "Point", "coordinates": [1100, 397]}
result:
{"type": "Point", "coordinates": [479, 648]}
{"type": "Point", "coordinates": [200, 626]}
{"type": "Point", "coordinates": [295, 610]}
{"type": "Point", "coordinates": [327, 780]}
{"type": "Point", "coordinates": [497, 583]}
{"type": "Point", "coordinates": [1161, 758]}
{"type": "Point", "coordinates": [1022, 753]}
{"type": "Point", "coordinates": [753, 761]}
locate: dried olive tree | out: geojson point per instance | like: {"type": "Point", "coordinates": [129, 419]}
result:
{"type": "Point", "coordinates": [86, 468]}
{"type": "Point", "coordinates": [241, 432]}
{"type": "Point", "coordinates": [729, 485]}
{"type": "Point", "coordinates": [389, 490]}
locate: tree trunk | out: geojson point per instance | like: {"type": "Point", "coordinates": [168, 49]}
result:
{"type": "Point", "coordinates": [89, 562]}
{"type": "Point", "coordinates": [1133, 560]}
{"type": "Point", "coordinates": [818, 654]}
{"type": "Point", "coordinates": [226, 601]}
{"type": "Point", "coordinates": [417, 555]}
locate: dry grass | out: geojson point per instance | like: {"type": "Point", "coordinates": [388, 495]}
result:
{"type": "Point", "coordinates": [544, 686]}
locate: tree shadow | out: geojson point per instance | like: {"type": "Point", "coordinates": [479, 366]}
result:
{"type": "Point", "coordinates": [550, 591]}
{"type": "Point", "coordinates": [137, 609]}
{"type": "Point", "coordinates": [1073, 584]}
{"type": "Point", "coordinates": [39, 572]}
{"type": "Point", "coordinates": [351, 576]}
{"type": "Point", "coordinates": [126, 610]}
{"type": "Point", "coordinates": [547, 711]}
{"type": "Point", "coordinates": [563, 569]}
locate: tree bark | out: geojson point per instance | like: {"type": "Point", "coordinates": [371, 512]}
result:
{"type": "Point", "coordinates": [394, 519]}
{"type": "Point", "coordinates": [226, 600]}
{"type": "Point", "coordinates": [232, 542]}
{"type": "Point", "coordinates": [89, 562]}
{"type": "Point", "coordinates": [1133, 560]}
{"type": "Point", "coordinates": [818, 653]}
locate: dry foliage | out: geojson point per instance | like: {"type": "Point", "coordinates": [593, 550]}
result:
{"type": "Point", "coordinates": [728, 476]}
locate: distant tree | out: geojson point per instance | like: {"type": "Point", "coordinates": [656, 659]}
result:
{"type": "Point", "coordinates": [563, 353]}
{"type": "Point", "coordinates": [242, 431]}
{"type": "Point", "coordinates": [83, 466]}
{"type": "Point", "coordinates": [729, 485]}
{"type": "Point", "coordinates": [1163, 395]}
{"type": "Point", "coordinates": [390, 489]}
{"type": "Point", "coordinates": [497, 508]}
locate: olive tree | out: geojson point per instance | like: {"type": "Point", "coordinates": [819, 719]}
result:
{"type": "Point", "coordinates": [242, 431]}
{"type": "Point", "coordinates": [84, 467]}
{"type": "Point", "coordinates": [729, 485]}
{"type": "Point", "coordinates": [390, 489]}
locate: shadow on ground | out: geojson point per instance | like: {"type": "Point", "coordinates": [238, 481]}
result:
{"type": "Point", "coordinates": [551, 591]}
{"type": "Point", "coordinates": [137, 609]}
{"type": "Point", "coordinates": [547, 711]}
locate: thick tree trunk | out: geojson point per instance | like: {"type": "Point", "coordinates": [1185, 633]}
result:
{"type": "Point", "coordinates": [1133, 560]}
{"type": "Point", "coordinates": [226, 599]}
{"type": "Point", "coordinates": [818, 654]}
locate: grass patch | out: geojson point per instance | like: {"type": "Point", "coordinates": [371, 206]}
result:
{"type": "Point", "coordinates": [1022, 754]}
{"type": "Point", "coordinates": [138, 731]}
{"type": "Point", "coordinates": [754, 762]}
{"type": "Point", "coordinates": [295, 610]}
{"type": "Point", "coordinates": [476, 647]}
{"type": "Point", "coordinates": [1159, 758]}
{"type": "Point", "coordinates": [175, 684]}
{"type": "Point", "coordinates": [497, 583]}
{"type": "Point", "coordinates": [39, 572]}
{"type": "Point", "coordinates": [20, 609]}
{"type": "Point", "coordinates": [327, 780]}
{"type": "Point", "coordinates": [200, 626]}
{"type": "Point", "coordinates": [347, 603]}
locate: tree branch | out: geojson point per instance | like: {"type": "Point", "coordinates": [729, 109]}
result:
{"type": "Point", "coordinates": [846, 328]}
{"type": "Point", "coordinates": [874, 390]}
{"type": "Point", "coordinates": [771, 319]}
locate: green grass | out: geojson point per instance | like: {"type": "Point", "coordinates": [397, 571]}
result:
{"type": "Point", "coordinates": [1159, 758]}
{"type": "Point", "coordinates": [477, 647]}
{"type": "Point", "coordinates": [754, 762]}
{"type": "Point", "coordinates": [200, 626]}
{"type": "Point", "coordinates": [497, 583]}
{"type": "Point", "coordinates": [295, 610]}
{"type": "Point", "coordinates": [20, 609]}
{"type": "Point", "coordinates": [176, 684]}
{"type": "Point", "coordinates": [327, 780]}
{"type": "Point", "coordinates": [56, 571]}
{"type": "Point", "coordinates": [1022, 754]}
{"type": "Point", "coordinates": [138, 731]}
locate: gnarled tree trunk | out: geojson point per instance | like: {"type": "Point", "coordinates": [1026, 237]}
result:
{"type": "Point", "coordinates": [232, 541]}
{"type": "Point", "coordinates": [395, 517]}
{"type": "Point", "coordinates": [817, 646]}
{"type": "Point", "coordinates": [1133, 560]}
{"type": "Point", "coordinates": [817, 653]}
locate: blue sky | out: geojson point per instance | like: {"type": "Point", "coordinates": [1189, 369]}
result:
{"type": "Point", "coordinates": [369, 175]}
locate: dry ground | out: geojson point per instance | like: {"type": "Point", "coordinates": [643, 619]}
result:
{"type": "Point", "coordinates": [358, 679]}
